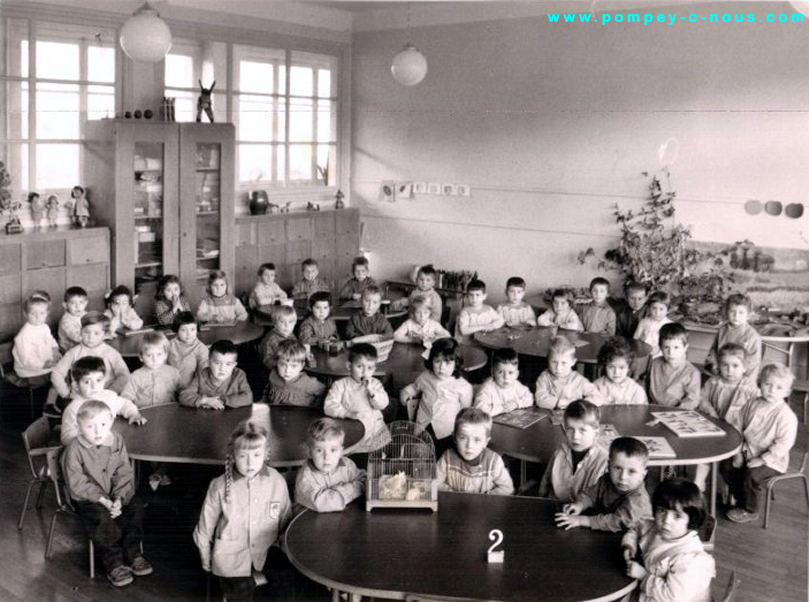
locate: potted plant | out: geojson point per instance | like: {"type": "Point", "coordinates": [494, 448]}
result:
{"type": "Point", "coordinates": [7, 203]}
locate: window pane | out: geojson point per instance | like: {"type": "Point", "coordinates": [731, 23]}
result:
{"type": "Point", "coordinates": [301, 81]}
{"type": "Point", "coordinates": [281, 162]}
{"type": "Point", "coordinates": [300, 162]}
{"type": "Point", "coordinates": [57, 111]}
{"type": "Point", "coordinates": [255, 163]}
{"type": "Point", "coordinates": [16, 110]}
{"type": "Point", "coordinates": [324, 83]}
{"type": "Point", "coordinates": [280, 122]}
{"type": "Point", "coordinates": [282, 79]}
{"type": "Point", "coordinates": [56, 60]}
{"type": "Point", "coordinates": [300, 120]}
{"type": "Point", "coordinates": [101, 64]}
{"type": "Point", "coordinates": [254, 118]}
{"type": "Point", "coordinates": [180, 71]}
{"type": "Point", "coordinates": [57, 165]}
{"type": "Point", "coordinates": [100, 102]}
{"type": "Point", "coordinates": [185, 105]}
{"type": "Point", "coordinates": [324, 116]}
{"type": "Point", "coordinates": [24, 58]}
{"type": "Point", "coordinates": [256, 77]}
{"type": "Point", "coordinates": [15, 156]}
{"type": "Point", "coordinates": [325, 160]}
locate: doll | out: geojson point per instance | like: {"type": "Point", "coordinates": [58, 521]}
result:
{"type": "Point", "coordinates": [37, 208]}
{"type": "Point", "coordinates": [80, 207]}
{"type": "Point", "coordinates": [52, 207]}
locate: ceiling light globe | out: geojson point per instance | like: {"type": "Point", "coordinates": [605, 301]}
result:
{"type": "Point", "coordinates": [409, 66]}
{"type": "Point", "coordinates": [145, 37]}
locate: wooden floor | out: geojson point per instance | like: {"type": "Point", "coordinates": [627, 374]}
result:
{"type": "Point", "coordinates": [772, 563]}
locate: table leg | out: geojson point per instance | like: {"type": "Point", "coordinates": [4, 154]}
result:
{"type": "Point", "coordinates": [714, 469]}
{"type": "Point", "coordinates": [335, 595]}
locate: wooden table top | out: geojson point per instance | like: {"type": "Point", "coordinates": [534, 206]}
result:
{"type": "Point", "coordinates": [394, 553]}
{"type": "Point", "coordinates": [538, 442]}
{"type": "Point", "coordinates": [239, 333]}
{"type": "Point", "coordinates": [535, 342]}
{"type": "Point", "coordinates": [175, 433]}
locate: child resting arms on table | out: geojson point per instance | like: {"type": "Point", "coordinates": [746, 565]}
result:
{"type": "Point", "coordinates": [155, 383]}
{"type": "Point", "coordinates": [516, 312]}
{"type": "Point", "coordinates": [502, 392]}
{"type": "Point", "coordinates": [617, 387]}
{"type": "Point", "coordinates": [420, 328]}
{"type": "Point", "coordinates": [560, 383]}
{"type": "Point", "coordinates": [476, 316]}
{"type": "Point", "coordinates": [219, 306]}
{"type": "Point", "coordinates": [121, 311]}
{"type": "Point", "coordinates": [170, 300]}
{"type": "Point", "coordinates": [562, 315]}
{"type": "Point", "coordinates": [221, 384]}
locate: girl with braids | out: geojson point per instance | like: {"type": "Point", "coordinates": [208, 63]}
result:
{"type": "Point", "coordinates": [245, 511]}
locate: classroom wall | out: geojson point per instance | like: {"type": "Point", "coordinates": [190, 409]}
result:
{"type": "Point", "coordinates": [552, 125]}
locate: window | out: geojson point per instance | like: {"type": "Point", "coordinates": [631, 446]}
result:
{"type": "Point", "coordinates": [189, 63]}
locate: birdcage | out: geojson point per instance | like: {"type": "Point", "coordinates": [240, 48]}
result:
{"type": "Point", "coordinates": [402, 474]}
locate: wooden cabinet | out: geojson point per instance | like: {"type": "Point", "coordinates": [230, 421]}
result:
{"type": "Point", "coordinates": [331, 237]}
{"type": "Point", "coordinates": [51, 260]}
{"type": "Point", "coordinates": [166, 191]}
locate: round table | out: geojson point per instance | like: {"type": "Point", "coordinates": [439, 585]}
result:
{"type": "Point", "coordinates": [239, 333]}
{"type": "Point", "coordinates": [340, 313]}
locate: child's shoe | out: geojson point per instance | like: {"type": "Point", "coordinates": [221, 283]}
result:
{"type": "Point", "coordinates": [120, 576]}
{"type": "Point", "coordinates": [141, 567]}
{"type": "Point", "coordinates": [740, 515]}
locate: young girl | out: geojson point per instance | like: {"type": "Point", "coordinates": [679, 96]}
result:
{"type": "Point", "coordinates": [562, 315]}
{"type": "Point", "coordinates": [617, 387]}
{"type": "Point", "coordinates": [120, 310]}
{"type": "Point", "coordinates": [266, 291]}
{"type": "Point", "coordinates": [319, 328]}
{"type": "Point", "coordinates": [673, 564]}
{"type": "Point", "coordinates": [442, 392]}
{"type": "Point", "coordinates": [657, 309]}
{"type": "Point", "coordinates": [35, 350]}
{"type": "Point", "coordinates": [170, 300]}
{"type": "Point", "coordinates": [244, 513]}
{"type": "Point", "coordinates": [186, 352]}
{"type": "Point", "coordinates": [420, 328]}
{"type": "Point", "coordinates": [219, 306]}
{"type": "Point", "coordinates": [288, 385]}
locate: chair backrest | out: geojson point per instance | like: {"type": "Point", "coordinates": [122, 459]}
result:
{"type": "Point", "coordinates": [783, 348]}
{"type": "Point", "coordinates": [730, 588]}
{"type": "Point", "coordinates": [37, 441]}
{"type": "Point", "coordinates": [6, 359]}
{"type": "Point", "coordinates": [55, 471]}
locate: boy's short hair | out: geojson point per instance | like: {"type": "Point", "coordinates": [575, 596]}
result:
{"type": "Point", "coordinates": [776, 370]}
{"type": "Point", "coordinates": [630, 447]}
{"type": "Point", "coordinates": [738, 299]}
{"type": "Point", "coordinates": [659, 297]}
{"type": "Point", "coordinates": [284, 310]}
{"type": "Point", "coordinates": [95, 317]}
{"type": "Point", "coordinates": [92, 408]}
{"type": "Point", "coordinates": [561, 345]}
{"type": "Point", "coordinates": [182, 318]}
{"type": "Point", "coordinates": [418, 302]}
{"type": "Point", "coordinates": [308, 262]}
{"type": "Point", "coordinates": [426, 270]}
{"type": "Point", "coordinates": [224, 347]}
{"type": "Point", "coordinates": [563, 293]}
{"type": "Point", "coordinates": [372, 289]}
{"type": "Point", "coordinates": [599, 280]}
{"type": "Point", "coordinates": [615, 347]}
{"type": "Point", "coordinates": [584, 411]}
{"type": "Point", "coordinates": [319, 296]}
{"type": "Point", "coordinates": [153, 339]}
{"type": "Point", "coordinates": [732, 349]}
{"type": "Point", "coordinates": [120, 291]}
{"type": "Point", "coordinates": [359, 260]}
{"type": "Point", "coordinates": [476, 285]}
{"type": "Point", "coordinates": [37, 298]}
{"type": "Point", "coordinates": [515, 281]}
{"type": "Point", "coordinates": [676, 494]}
{"type": "Point", "coordinates": [506, 355]}
{"type": "Point", "coordinates": [74, 291]}
{"type": "Point", "coordinates": [291, 350]}
{"type": "Point", "coordinates": [473, 416]}
{"type": "Point", "coordinates": [265, 267]}
{"type": "Point", "coordinates": [324, 429]}
{"type": "Point", "coordinates": [445, 348]}
{"type": "Point", "coordinates": [635, 285]}
{"type": "Point", "coordinates": [673, 330]}
{"type": "Point", "coordinates": [87, 365]}
{"type": "Point", "coordinates": [364, 350]}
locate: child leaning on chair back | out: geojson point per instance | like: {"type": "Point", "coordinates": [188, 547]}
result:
{"type": "Point", "coordinates": [35, 351]}
{"type": "Point", "coordinates": [617, 387]}
{"type": "Point", "coordinates": [671, 379]}
{"type": "Point", "coordinates": [502, 392]}
{"type": "Point", "coordinates": [288, 384]}
{"type": "Point", "coordinates": [560, 383]}
{"type": "Point", "coordinates": [219, 306]}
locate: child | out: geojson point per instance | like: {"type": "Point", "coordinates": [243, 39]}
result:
{"type": "Point", "coordinates": [476, 316]}
{"type": "Point", "coordinates": [725, 396]}
{"type": "Point", "coordinates": [361, 396]}
{"type": "Point", "coordinates": [648, 331]}
{"type": "Point", "coordinates": [354, 287]}
{"type": "Point", "coordinates": [221, 384]}
{"type": "Point", "coordinates": [101, 482]}
{"type": "Point", "coordinates": [170, 300]}
{"type": "Point", "coordinates": [425, 287]}
{"type": "Point", "coordinates": [672, 380]}
{"type": "Point", "coordinates": [318, 328]}
{"type": "Point", "coordinates": [284, 319]}
{"type": "Point", "coordinates": [619, 498]}
{"type": "Point", "coordinates": [328, 481]}
{"type": "Point", "coordinates": [186, 352]}
{"type": "Point", "coordinates": [75, 306]}
{"type": "Point", "coordinates": [35, 351]}
{"type": "Point", "coordinates": [266, 291]}
{"type": "Point", "coordinates": [516, 312]}
{"type": "Point", "coordinates": [629, 311]}
{"type": "Point", "coordinates": [502, 392]}
{"type": "Point", "coordinates": [368, 320]}
{"type": "Point", "coordinates": [420, 328]}
{"type": "Point", "coordinates": [311, 282]}
{"type": "Point", "coordinates": [738, 330]}
{"type": "Point", "coordinates": [560, 384]}
{"type": "Point", "coordinates": [598, 316]}
{"type": "Point", "coordinates": [580, 461]}
{"type": "Point", "coordinates": [218, 306]}
{"type": "Point", "coordinates": [769, 428]}
{"type": "Point", "coordinates": [471, 467]}
{"type": "Point", "coordinates": [87, 374]}
{"type": "Point", "coordinates": [438, 394]}
{"type": "Point", "coordinates": [121, 312]}
{"type": "Point", "coordinates": [244, 513]}
{"type": "Point", "coordinates": [617, 387]}
{"type": "Point", "coordinates": [288, 385]}
{"type": "Point", "coordinates": [156, 382]}
{"type": "Point", "coordinates": [674, 565]}
{"type": "Point", "coordinates": [562, 315]}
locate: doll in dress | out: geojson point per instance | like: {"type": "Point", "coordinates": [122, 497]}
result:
{"type": "Point", "coordinates": [37, 208]}
{"type": "Point", "coordinates": [80, 207]}
{"type": "Point", "coordinates": [52, 207]}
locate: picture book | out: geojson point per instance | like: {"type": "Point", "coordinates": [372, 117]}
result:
{"type": "Point", "coordinates": [521, 418]}
{"type": "Point", "coordinates": [658, 447]}
{"type": "Point", "coordinates": [688, 423]}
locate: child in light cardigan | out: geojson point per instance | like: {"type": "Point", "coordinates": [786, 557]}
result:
{"type": "Point", "coordinates": [121, 310]}
{"type": "Point", "coordinates": [598, 316]}
{"type": "Point", "coordinates": [420, 327]}
{"type": "Point", "coordinates": [218, 306]}
{"type": "Point", "coordinates": [35, 351]}
{"type": "Point", "coordinates": [266, 291]}
{"type": "Point", "coordinates": [186, 352]}
{"type": "Point", "coordinates": [560, 384]}
{"type": "Point", "coordinates": [562, 315]}
{"type": "Point", "coordinates": [476, 316]}
{"type": "Point", "coordinates": [502, 392]}
{"type": "Point", "coordinates": [617, 387]}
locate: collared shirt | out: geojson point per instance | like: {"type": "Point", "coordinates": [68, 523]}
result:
{"type": "Point", "coordinates": [675, 385]}
{"type": "Point", "coordinates": [360, 325]}
{"type": "Point", "coordinates": [613, 510]}
{"type": "Point", "coordinates": [441, 400]}
{"type": "Point", "coordinates": [626, 393]}
{"type": "Point", "coordinates": [329, 492]}
{"type": "Point", "coordinates": [488, 475]}
{"type": "Point", "coordinates": [93, 472]}
{"type": "Point", "coordinates": [188, 359]}
{"type": "Point", "coordinates": [556, 392]}
{"type": "Point", "coordinates": [598, 318]}
{"type": "Point", "coordinates": [494, 399]}
{"type": "Point", "coordinates": [347, 397]}
{"type": "Point", "coordinates": [314, 331]}
{"type": "Point", "coordinates": [562, 482]}
{"type": "Point", "coordinates": [118, 405]}
{"type": "Point", "coordinates": [147, 387]}
{"type": "Point", "coordinates": [769, 431]}
{"type": "Point", "coordinates": [234, 392]}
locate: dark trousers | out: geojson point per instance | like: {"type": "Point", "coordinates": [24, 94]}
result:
{"type": "Point", "coordinates": [237, 589]}
{"type": "Point", "coordinates": [746, 484]}
{"type": "Point", "coordinates": [117, 540]}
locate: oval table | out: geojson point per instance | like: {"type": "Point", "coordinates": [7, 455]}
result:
{"type": "Point", "coordinates": [128, 345]}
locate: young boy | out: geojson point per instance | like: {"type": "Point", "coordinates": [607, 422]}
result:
{"type": "Point", "coordinates": [619, 499]}
{"type": "Point", "coordinates": [362, 397]}
{"type": "Point", "coordinates": [221, 385]}
{"type": "Point", "coordinates": [156, 382]}
{"type": "Point", "coordinates": [738, 330]}
{"type": "Point", "coordinates": [420, 328]}
{"type": "Point", "coordinates": [617, 387]}
{"type": "Point", "coordinates": [311, 281]}
{"type": "Point", "coordinates": [425, 287]}
{"type": "Point", "coordinates": [75, 306]}
{"type": "Point", "coordinates": [476, 316]}
{"type": "Point", "coordinates": [288, 384]}
{"type": "Point", "coordinates": [657, 316]}
{"type": "Point", "coordinates": [629, 311]}
{"type": "Point", "coordinates": [284, 319]}
{"type": "Point", "coordinates": [769, 428]}
{"type": "Point", "coordinates": [266, 291]}
{"type": "Point", "coordinates": [186, 352]}
{"type": "Point", "coordinates": [354, 287]}
{"type": "Point", "coordinates": [598, 316]}
{"type": "Point", "coordinates": [35, 351]}
{"type": "Point", "coordinates": [318, 328]}
{"type": "Point", "coordinates": [557, 386]}
{"type": "Point", "coordinates": [87, 374]}
{"type": "Point", "coordinates": [580, 461]}
{"type": "Point", "coordinates": [328, 481]}
{"type": "Point", "coordinates": [101, 483]}
{"type": "Point", "coordinates": [502, 392]}
{"type": "Point", "coordinates": [471, 467]}
{"type": "Point", "coordinates": [516, 312]}
{"type": "Point", "coordinates": [368, 320]}
{"type": "Point", "coordinates": [672, 380]}
{"type": "Point", "coordinates": [562, 315]}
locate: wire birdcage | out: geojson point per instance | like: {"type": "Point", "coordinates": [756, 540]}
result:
{"type": "Point", "coordinates": [402, 474]}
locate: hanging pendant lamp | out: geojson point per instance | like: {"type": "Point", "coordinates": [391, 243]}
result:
{"type": "Point", "coordinates": [409, 66]}
{"type": "Point", "coordinates": [145, 37]}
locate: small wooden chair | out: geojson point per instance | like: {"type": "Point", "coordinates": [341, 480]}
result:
{"type": "Point", "coordinates": [799, 473]}
{"type": "Point", "coordinates": [38, 443]}
{"type": "Point", "coordinates": [730, 589]}
{"type": "Point", "coordinates": [10, 378]}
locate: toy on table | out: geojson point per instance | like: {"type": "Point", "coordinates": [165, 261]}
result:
{"type": "Point", "coordinates": [79, 207]}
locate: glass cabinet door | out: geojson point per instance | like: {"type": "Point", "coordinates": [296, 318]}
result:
{"type": "Point", "coordinates": [147, 207]}
{"type": "Point", "coordinates": [208, 190]}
